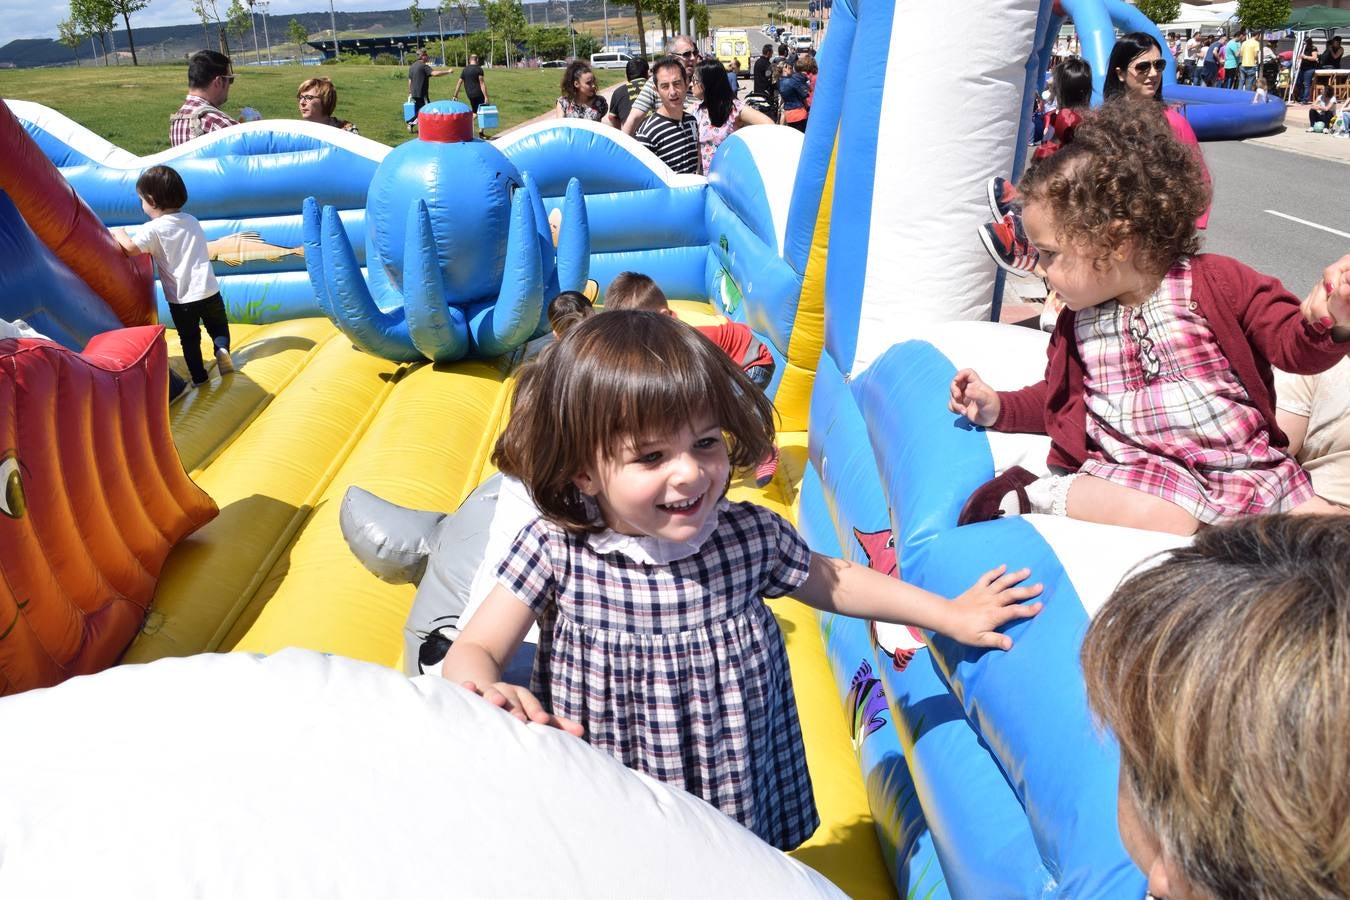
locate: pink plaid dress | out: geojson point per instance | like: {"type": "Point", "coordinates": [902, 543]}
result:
{"type": "Point", "coordinates": [1167, 416]}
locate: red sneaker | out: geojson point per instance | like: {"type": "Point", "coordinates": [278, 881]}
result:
{"type": "Point", "coordinates": [1002, 196]}
{"type": "Point", "coordinates": [765, 471]}
{"type": "Point", "coordinates": [1007, 243]}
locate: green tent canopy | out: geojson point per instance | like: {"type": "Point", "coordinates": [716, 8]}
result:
{"type": "Point", "coordinates": [1306, 18]}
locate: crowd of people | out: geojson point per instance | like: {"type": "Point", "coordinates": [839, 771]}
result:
{"type": "Point", "coordinates": [1184, 392]}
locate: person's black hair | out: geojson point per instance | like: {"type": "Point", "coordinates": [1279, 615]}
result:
{"type": "Point", "coordinates": [163, 187]}
{"type": "Point", "coordinates": [717, 96]}
{"type": "Point", "coordinates": [666, 62]}
{"type": "Point", "coordinates": [1073, 83]}
{"type": "Point", "coordinates": [636, 68]}
{"type": "Point", "coordinates": [205, 66]}
{"type": "Point", "coordinates": [571, 75]}
{"type": "Point", "coordinates": [766, 49]}
{"type": "Point", "coordinates": [1128, 46]}
{"type": "Point", "coordinates": [782, 49]}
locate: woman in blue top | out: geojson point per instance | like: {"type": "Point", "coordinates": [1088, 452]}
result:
{"type": "Point", "coordinates": [793, 89]}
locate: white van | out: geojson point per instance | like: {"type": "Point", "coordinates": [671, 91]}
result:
{"type": "Point", "coordinates": [802, 42]}
{"type": "Point", "coordinates": [610, 60]}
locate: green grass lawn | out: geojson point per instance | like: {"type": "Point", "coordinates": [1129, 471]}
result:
{"type": "Point", "coordinates": [130, 106]}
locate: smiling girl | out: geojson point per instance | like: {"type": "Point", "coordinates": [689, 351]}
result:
{"type": "Point", "coordinates": [647, 582]}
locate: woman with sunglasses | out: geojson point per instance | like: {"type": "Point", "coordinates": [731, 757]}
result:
{"type": "Point", "coordinates": [318, 98]}
{"type": "Point", "coordinates": [1134, 74]}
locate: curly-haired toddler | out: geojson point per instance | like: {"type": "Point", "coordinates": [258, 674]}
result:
{"type": "Point", "coordinates": [1157, 395]}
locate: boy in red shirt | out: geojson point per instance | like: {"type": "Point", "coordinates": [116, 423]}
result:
{"type": "Point", "coordinates": [633, 290]}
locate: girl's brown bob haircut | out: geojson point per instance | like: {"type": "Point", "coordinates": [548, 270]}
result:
{"type": "Point", "coordinates": [1224, 673]}
{"type": "Point", "coordinates": [615, 379]}
{"type": "Point", "coordinates": [1124, 177]}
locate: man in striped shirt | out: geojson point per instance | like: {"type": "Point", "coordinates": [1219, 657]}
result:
{"type": "Point", "coordinates": [681, 47]}
{"type": "Point", "coordinates": [209, 79]}
{"type": "Point", "coordinates": [670, 132]}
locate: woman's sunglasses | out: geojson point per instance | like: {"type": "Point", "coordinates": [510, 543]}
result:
{"type": "Point", "coordinates": [1141, 68]}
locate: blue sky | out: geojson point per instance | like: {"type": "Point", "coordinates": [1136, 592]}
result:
{"type": "Point", "coordinates": [38, 18]}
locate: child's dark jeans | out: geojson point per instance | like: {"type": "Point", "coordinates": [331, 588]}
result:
{"type": "Point", "coordinates": [187, 317]}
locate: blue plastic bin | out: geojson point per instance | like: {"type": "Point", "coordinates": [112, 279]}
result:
{"type": "Point", "coordinates": [409, 111]}
{"type": "Point", "coordinates": [487, 117]}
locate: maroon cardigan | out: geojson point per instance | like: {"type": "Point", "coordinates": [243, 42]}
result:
{"type": "Point", "coordinates": [1255, 320]}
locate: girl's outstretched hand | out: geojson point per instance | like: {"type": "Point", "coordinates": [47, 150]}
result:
{"type": "Point", "coordinates": [523, 705]}
{"type": "Point", "coordinates": [1328, 304]}
{"type": "Point", "coordinates": [991, 603]}
{"type": "Point", "coordinates": [974, 399]}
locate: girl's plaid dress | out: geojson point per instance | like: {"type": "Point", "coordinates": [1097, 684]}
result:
{"type": "Point", "coordinates": [1167, 416]}
{"type": "Point", "coordinates": [678, 670]}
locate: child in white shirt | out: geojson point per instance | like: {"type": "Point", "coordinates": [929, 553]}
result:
{"type": "Point", "coordinates": [178, 245]}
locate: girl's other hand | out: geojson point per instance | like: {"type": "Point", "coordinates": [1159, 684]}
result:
{"type": "Point", "coordinates": [1328, 303]}
{"type": "Point", "coordinates": [991, 603]}
{"type": "Point", "coordinates": [974, 399]}
{"type": "Point", "coordinates": [523, 705]}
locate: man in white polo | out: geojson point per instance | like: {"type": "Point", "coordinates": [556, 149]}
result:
{"type": "Point", "coordinates": [683, 49]}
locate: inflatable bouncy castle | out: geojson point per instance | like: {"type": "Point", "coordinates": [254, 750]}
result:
{"type": "Point", "coordinates": [377, 350]}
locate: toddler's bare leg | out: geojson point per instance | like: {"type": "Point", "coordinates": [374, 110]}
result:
{"type": "Point", "coordinates": [1318, 507]}
{"type": "Point", "coordinates": [1097, 500]}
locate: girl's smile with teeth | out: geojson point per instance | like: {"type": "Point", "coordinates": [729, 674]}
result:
{"type": "Point", "coordinates": [633, 489]}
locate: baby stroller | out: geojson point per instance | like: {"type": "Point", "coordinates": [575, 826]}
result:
{"type": "Point", "coordinates": [768, 105]}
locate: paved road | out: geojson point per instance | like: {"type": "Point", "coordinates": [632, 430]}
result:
{"type": "Point", "coordinates": [1250, 179]}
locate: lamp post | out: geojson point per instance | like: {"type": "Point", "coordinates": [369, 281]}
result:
{"type": "Point", "coordinates": [571, 28]}
{"type": "Point", "coordinates": [253, 23]}
{"type": "Point", "coordinates": [604, 8]}
{"type": "Point", "coordinates": [332, 18]}
{"type": "Point", "coordinates": [263, 4]}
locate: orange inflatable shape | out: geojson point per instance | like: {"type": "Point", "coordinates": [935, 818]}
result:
{"type": "Point", "coordinates": [92, 499]}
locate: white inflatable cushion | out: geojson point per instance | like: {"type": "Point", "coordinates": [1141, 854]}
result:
{"type": "Point", "coordinates": [303, 775]}
{"type": "Point", "coordinates": [1006, 357]}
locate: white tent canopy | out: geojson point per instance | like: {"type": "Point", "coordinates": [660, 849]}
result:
{"type": "Point", "coordinates": [1195, 17]}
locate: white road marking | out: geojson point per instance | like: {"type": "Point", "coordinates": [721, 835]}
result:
{"type": "Point", "coordinates": [1309, 224]}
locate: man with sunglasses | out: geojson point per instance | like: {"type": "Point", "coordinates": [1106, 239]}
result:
{"type": "Point", "coordinates": [684, 49]}
{"type": "Point", "coordinates": [209, 79]}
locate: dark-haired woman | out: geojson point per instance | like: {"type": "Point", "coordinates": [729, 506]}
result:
{"type": "Point", "coordinates": [579, 98]}
{"type": "Point", "coordinates": [719, 112]}
{"type": "Point", "coordinates": [1134, 74]}
{"type": "Point", "coordinates": [1307, 61]}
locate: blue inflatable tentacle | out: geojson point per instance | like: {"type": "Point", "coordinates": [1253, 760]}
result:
{"type": "Point", "coordinates": [354, 311]}
{"type": "Point", "coordinates": [548, 256]}
{"type": "Point", "coordinates": [509, 322]}
{"type": "Point", "coordinates": [438, 331]}
{"type": "Point", "coordinates": [312, 238]}
{"type": "Point", "coordinates": [574, 240]}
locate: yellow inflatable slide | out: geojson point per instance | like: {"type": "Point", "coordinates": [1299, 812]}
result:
{"type": "Point", "coordinates": [305, 416]}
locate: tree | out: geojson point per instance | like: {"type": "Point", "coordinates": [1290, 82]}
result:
{"type": "Point", "coordinates": [298, 35]}
{"type": "Point", "coordinates": [208, 12]}
{"type": "Point", "coordinates": [463, 7]}
{"type": "Point", "coordinates": [506, 21]}
{"type": "Point", "coordinates": [416, 16]}
{"type": "Point", "coordinates": [1159, 12]}
{"type": "Point", "coordinates": [94, 17]}
{"type": "Point", "coordinates": [238, 19]}
{"type": "Point", "coordinates": [1263, 15]}
{"type": "Point", "coordinates": [125, 8]}
{"type": "Point", "coordinates": [72, 35]}
{"type": "Point", "coordinates": [699, 18]}
{"type": "Point", "coordinates": [642, 30]}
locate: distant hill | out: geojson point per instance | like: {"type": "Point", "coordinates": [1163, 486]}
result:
{"type": "Point", "coordinates": [164, 43]}
{"type": "Point", "coordinates": [175, 42]}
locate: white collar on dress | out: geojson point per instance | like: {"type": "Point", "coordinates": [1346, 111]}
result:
{"type": "Point", "coordinates": [655, 551]}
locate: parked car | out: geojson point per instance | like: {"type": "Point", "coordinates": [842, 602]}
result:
{"type": "Point", "coordinates": [802, 41]}
{"type": "Point", "coordinates": [610, 60]}
{"type": "Point", "coordinates": [553, 64]}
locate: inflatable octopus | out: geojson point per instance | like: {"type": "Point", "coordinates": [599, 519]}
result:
{"type": "Point", "coordinates": [460, 255]}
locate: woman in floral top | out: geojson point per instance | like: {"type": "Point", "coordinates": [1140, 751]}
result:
{"type": "Point", "coordinates": [579, 99]}
{"type": "Point", "coordinates": [719, 113]}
